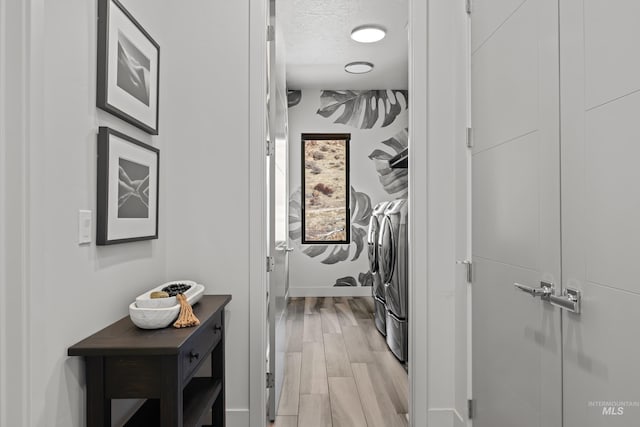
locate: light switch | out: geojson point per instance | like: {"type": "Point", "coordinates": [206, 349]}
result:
{"type": "Point", "coordinates": [84, 227]}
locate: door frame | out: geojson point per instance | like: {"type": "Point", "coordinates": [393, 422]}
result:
{"type": "Point", "coordinates": [258, 205]}
{"type": "Point", "coordinates": [21, 54]}
{"type": "Point", "coordinates": [3, 214]}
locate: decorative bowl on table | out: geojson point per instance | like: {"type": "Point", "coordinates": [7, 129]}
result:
{"type": "Point", "coordinates": [145, 300]}
{"type": "Point", "coordinates": [161, 317]}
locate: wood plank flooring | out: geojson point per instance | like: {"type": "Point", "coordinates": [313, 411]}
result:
{"type": "Point", "coordinates": [338, 369]}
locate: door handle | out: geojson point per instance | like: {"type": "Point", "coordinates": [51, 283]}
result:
{"type": "Point", "coordinates": [287, 249]}
{"type": "Point", "coordinates": [544, 291]}
{"type": "Point", "coordinates": [570, 300]}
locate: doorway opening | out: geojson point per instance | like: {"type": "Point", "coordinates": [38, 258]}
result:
{"type": "Point", "coordinates": [341, 335]}
{"type": "Point", "coordinates": [418, 102]}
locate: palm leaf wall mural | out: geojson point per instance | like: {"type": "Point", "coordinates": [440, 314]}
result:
{"type": "Point", "coordinates": [360, 206]}
{"type": "Point", "coordinates": [365, 279]}
{"type": "Point", "coordinates": [362, 108]}
{"type": "Point", "coordinates": [346, 281]}
{"type": "Point", "coordinates": [394, 181]}
{"type": "Point", "coordinates": [293, 98]}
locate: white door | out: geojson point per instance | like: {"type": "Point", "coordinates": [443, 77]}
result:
{"type": "Point", "coordinates": [279, 280]}
{"type": "Point", "coordinates": [600, 81]}
{"type": "Point", "coordinates": [278, 168]}
{"type": "Point", "coordinates": [271, 224]}
{"type": "Point", "coordinates": [516, 212]}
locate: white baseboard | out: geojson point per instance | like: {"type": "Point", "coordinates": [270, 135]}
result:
{"type": "Point", "coordinates": [238, 417]}
{"type": "Point", "coordinates": [458, 420]}
{"type": "Point", "coordinates": [331, 291]}
{"type": "Point", "coordinates": [445, 417]}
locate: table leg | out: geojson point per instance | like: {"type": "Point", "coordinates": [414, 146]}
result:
{"type": "Point", "coordinates": [171, 395]}
{"type": "Point", "coordinates": [98, 407]}
{"type": "Point", "coordinates": [218, 410]}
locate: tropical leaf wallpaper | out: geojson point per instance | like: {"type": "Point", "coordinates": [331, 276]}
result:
{"type": "Point", "coordinates": [394, 181]}
{"type": "Point", "coordinates": [293, 97]}
{"type": "Point", "coordinates": [362, 108]}
{"type": "Point", "coordinates": [378, 123]}
{"type": "Point", "coordinates": [360, 213]}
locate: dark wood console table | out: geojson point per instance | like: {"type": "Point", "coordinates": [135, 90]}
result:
{"type": "Point", "coordinates": [125, 362]}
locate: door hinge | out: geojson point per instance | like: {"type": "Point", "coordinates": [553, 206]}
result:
{"type": "Point", "coordinates": [468, 6]}
{"type": "Point", "coordinates": [469, 266]}
{"type": "Point", "coordinates": [270, 148]}
{"type": "Point", "coordinates": [469, 138]}
{"type": "Point", "coordinates": [271, 33]}
{"type": "Point", "coordinates": [271, 381]}
{"type": "Point", "coordinates": [270, 264]}
{"type": "Point", "coordinates": [470, 408]}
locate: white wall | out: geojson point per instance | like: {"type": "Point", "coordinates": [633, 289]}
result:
{"type": "Point", "coordinates": [73, 290]}
{"type": "Point", "coordinates": [310, 276]}
{"type": "Point", "coordinates": [5, 403]}
{"type": "Point", "coordinates": [447, 212]}
{"type": "Point", "coordinates": [61, 292]}
{"type": "Point", "coordinates": [206, 132]}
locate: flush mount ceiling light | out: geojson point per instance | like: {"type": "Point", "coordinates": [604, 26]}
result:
{"type": "Point", "coordinates": [368, 33]}
{"type": "Point", "coordinates": [358, 67]}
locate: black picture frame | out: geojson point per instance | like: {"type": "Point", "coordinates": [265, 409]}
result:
{"type": "Point", "coordinates": [115, 224]}
{"type": "Point", "coordinates": [305, 137]}
{"type": "Point", "coordinates": [128, 77]}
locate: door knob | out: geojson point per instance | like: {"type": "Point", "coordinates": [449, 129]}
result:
{"type": "Point", "coordinates": [544, 291]}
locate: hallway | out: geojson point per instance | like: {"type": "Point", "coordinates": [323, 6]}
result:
{"type": "Point", "coordinates": [338, 369]}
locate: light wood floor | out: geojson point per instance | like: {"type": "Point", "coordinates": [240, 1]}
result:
{"type": "Point", "coordinates": [338, 369]}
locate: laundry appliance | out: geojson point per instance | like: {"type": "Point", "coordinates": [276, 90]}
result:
{"type": "Point", "coordinates": [393, 262]}
{"type": "Point", "coordinates": [378, 286]}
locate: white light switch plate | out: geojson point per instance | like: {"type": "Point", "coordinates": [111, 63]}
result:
{"type": "Point", "coordinates": [84, 227]}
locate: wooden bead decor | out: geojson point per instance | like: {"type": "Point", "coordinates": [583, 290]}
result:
{"type": "Point", "coordinates": [186, 317]}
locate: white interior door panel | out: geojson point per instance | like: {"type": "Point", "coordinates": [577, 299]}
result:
{"type": "Point", "coordinates": [611, 54]}
{"type": "Point", "coordinates": [516, 216]}
{"type": "Point", "coordinates": [505, 80]}
{"type": "Point", "coordinates": [600, 210]}
{"type": "Point", "coordinates": [488, 16]}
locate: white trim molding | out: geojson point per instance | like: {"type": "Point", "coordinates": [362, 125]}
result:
{"type": "Point", "coordinates": [3, 214]}
{"type": "Point", "coordinates": [446, 417]}
{"type": "Point", "coordinates": [238, 417]}
{"type": "Point", "coordinates": [418, 221]}
{"type": "Point", "coordinates": [258, 19]}
{"type": "Point", "coordinates": [15, 63]}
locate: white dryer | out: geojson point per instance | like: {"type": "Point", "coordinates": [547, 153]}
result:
{"type": "Point", "coordinates": [393, 263]}
{"type": "Point", "coordinates": [378, 287]}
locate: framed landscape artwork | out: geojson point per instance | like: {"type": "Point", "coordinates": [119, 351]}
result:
{"type": "Point", "coordinates": [128, 188]}
{"type": "Point", "coordinates": [128, 67]}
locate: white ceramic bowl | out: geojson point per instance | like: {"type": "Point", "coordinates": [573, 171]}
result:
{"type": "Point", "coordinates": [145, 300]}
{"type": "Point", "coordinates": [157, 318]}
{"type": "Point", "coordinates": [153, 318]}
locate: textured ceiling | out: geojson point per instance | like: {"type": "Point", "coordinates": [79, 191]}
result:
{"type": "Point", "coordinates": [318, 43]}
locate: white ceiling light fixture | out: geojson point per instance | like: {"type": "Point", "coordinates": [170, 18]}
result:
{"type": "Point", "coordinates": [368, 33]}
{"type": "Point", "coordinates": [358, 67]}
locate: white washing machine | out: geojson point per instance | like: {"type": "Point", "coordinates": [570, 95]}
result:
{"type": "Point", "coordinates": [393, 263]}
{"type": "Point", "coordinates": [378, 287]}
